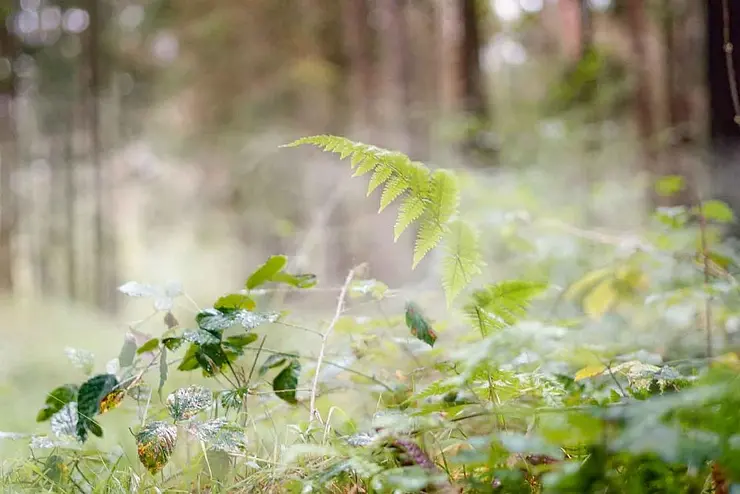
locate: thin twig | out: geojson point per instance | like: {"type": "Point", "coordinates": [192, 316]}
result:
{"type": "Point", "coordinates": [704, 246]}
{"type": "Point", "coordinates": [324, 340]}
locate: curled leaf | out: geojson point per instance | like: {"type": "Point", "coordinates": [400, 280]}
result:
{"type": "Point", "coordinates": [419, 326]}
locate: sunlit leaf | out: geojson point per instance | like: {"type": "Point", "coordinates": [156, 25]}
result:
{"type": "Point", "coordinates": [718, 211]}
{"type": "Point", "coordinates": [56, 400]}
{"type": "Point", "coordinates": [201, 337]}
{"type": "Point", "coordinates": [220, 434]}
{"type": "Point", "coordinates": [264, 273]}
{"type": "Point", "coordinates": [89, 398]}
{"type": "Point", "coordinates": [189, 361]}
{"type": "Point", "coordinates": [589, 371]}
{"type": "Point", "coordinates": [185, 403]}
{"type": "Point", "coordinates": [302, 281]}
{"type": "Point", "coordinates": [377, 289]}
{"type": "Point", "coordinates": [63, 424]}
{"type": "Point", "coordinates": [250, 320]}
{"type": "Point", "coordinates": [155, 443]}
{"type": "Point", "coordinates": [148, 346]}
{"type": "Point", "coordinates": [215, 320]}
{"type": "Point", "coordinates": [111, 400]}
{"type": "Point", "coordinates": [670, 185]}
{"type": "Point", "coordinates": [134, 289]}
{"type": "Point", "coordinates": [601, 299]}
{"type": "Point", "coordinates": [235, 301]}
{"type": "Point", "coordinates": [285, 383]}
{"type": "Point", "coordinates": [418, 325]}
{"type": "Point", "coordinates": [82, 359]}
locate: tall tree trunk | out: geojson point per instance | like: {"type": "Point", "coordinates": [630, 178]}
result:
{"type": "Point", "coordinates": [392, 83]}
{"type": "Point", "coordinates": [644, 114]}
{"type": "Point", "coordinates": [724, 107]}
{"type": "Point", "coordinates": [474, 100]}
{"type": "Point", "coordinates": [8, 155]}
{"type": "Point", "coordinates": [586, 31]}
{"type": "Point", "coordinates": [358, 42]}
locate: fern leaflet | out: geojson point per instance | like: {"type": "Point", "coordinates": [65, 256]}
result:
{"type": "Point", "coordinates": [463, 260]}
{"type": "Point", "coordinates": [497, 306]}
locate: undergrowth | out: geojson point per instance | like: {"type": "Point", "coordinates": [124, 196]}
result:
{"type": "Point", "coordinates": [520, 387]}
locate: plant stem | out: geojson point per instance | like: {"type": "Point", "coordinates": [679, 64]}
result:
{"type": "Point", "coordinates": [324, 340]}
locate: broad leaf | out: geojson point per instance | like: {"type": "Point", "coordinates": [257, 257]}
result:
{"type": "Point", "coordinates": [215, 320]}
{"type": "Point", "coordinates": [418, 325]}
{"type": "Point", "coordinates": [718, 211]}
{"type": "Point", "coordinates": [302, 281]}
{"type": "Point", "coordinates": [185, 403]}
{"type": "Point", "coordinates": [64, 423]}
{"type": "Point", "coordinates": [220, 434]}
{"type": "Point", "coordinates": [172, 343]}
{"type": "Point", "coordinates": [90, 396]}
{"type": "Point", "coordinates": [250, 320]}
{"type": "Point", "coordinates": [56, 400]}
{"type": "Point", "coordinates": [264, 273]}
{"type": "Point", "coordinates": [82, 359]}
{"type": "Point", "coordinates": [274, 360]}
{"type": "Point", "coordinates": [128, 351]}
{"type": "Point", "coordinates": [239, 341]}
{"type": "Point", "coordinates": [235, 301]}
{"type": "Point", "coordinates": [285, 383]}
{"type": "Point", "coordinates": [155, 443]}
{"type": "Point", "coordinates": [134, 289]}
{"type": "Point", "coordinates": [148, 346]}
{"type": "Point", "coordinates": [669, 185]}
{"type": "Point", "coordinates": [189, 361]}
{"type": "Point", "coordinates": [201, 337]}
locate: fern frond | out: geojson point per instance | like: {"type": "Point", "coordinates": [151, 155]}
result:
{"type": "Point", "coordinates": [497, 306]}
{"type": "Point", "coordinates": [411, 210]}
{"type": "Point", "coordinates": [429, 236]}
{"type": "Point", "coordinates": [463, 260]}
{"type": "Point", "coordinates": [393, 189]}
{"type": "Point", "coordinates": [380, 176]}
{"type": "Point", "coordinates": [444, 196]}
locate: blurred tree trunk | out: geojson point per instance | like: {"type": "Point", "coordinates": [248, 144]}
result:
{"type": "Point", "coordinates": [358, 42]}
{"type": "Point", "coordinates": [586, 31]}
{"type": "Point", "coordinates": [680, 41]}
{"type": "Point", "coordinates": [475, 103]}
{"type": "Point", "coordinates": [392, 48]}
{"type": "Point", "coordinates": [644, 114]}
{"type": "Point", "coordinates": [8, 154]}
{"type": "Point", "coordinates": [722, 82]}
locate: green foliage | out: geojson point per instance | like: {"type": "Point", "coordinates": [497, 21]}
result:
{"type": "Point", "coordinates": [502, 304]}
{"type": "Point", "coordinates": [428, 198]}
{"type": "Point", "coordinates": [56, 400]}
{"type": "Point", "coordinates": [91, 395]}
{"type": "Point", "coordinates": [155, 443]}
{"type": "Point", "coordinates": [286, 381]}
{"type": "Point", "coordinates": [185, 403]}
{"type": "Point", "coordinates": [418, 325]}
{"type": "Point", "coordinates": [463, 261]}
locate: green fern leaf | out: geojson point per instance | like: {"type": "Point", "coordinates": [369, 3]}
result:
{"type": "Point", "coordinates": [497, 306]}
{"type": "Point", "coordinates": [393, 188]}
{"type": "Point", "coordinates": [368, 164]}
{"type": "Point", "coordinates": [381, 176]}
{"type": "Point", "coordinates": [463, 260]}
{"type": "Point", "coordinates": [429, 236]}
{"type": "Point", "coordinates": [411, 210]}
{"type": "Point", "coordinates": [445, 195]}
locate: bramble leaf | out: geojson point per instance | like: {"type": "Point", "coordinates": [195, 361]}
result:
{"type": "Point", "coordinates": [419, 326]}
{"type": "Point", "coordinates": [185, 403]}
{"type": "Point", "coordinates": [155, 443]}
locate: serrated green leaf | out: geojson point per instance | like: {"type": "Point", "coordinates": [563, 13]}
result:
{"type": "Point", "coordinates": [264, 273]}
{"type": "Point", "coordinates": [274, 360]}
{"type": "Point", "coordinates": [429, 236]}
{"type": "Point", "coordinates": [91, 394]}
{"type": "Point", "coordinates": [250, 320]}
{"type": "Point", "coordinates": [201, 337]}
{"type": "Point", "coordinates": [155, 443]}
{"type": "Point", "coordinates": [221, 435]}
{"type": "Point", "coordinates": [380, 176]}
{"type": "Point", "coordinates": [235, 301]}
{"type": "Point", "coordinates": [462, 261]}
{"type": "Point", "coordinates": [502, 304]}
{"type": "Point", "coordinates": [393, 189]}
{"type": "Point", "coordinates": [215, 320]}
{"type": "Point", "coordinates": [285, 383]}
{"type": "Point", "coordinates": [185, 403]}
{"type": "Point", "coordinates": [232, 399]}
{"type": "Point", "coordinates": [172, 343]}
{"type": "Point", "coordinates": [148, 346]}
{"type": "Point", "coordinates": [56, 400]}
{"type": "Point", "coordinates": [418, 325]}
{"type": "Point", "coordinates": [411, 210]}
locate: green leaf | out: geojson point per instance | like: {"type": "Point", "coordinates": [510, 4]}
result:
{"type": "Point", "coordinates": [215, 320]}
{"type": "Point", "coordinates": [64, 423]}
{"type": "Point", "coordinates": [429, 236]}
{"type": "Point", "coordinates": [264, 273]}
{"type": "Point", "coordinates": [234, 301]}
{"type": "Point", "coordinates": [233, 398]}
{"type": "Point", "coordinates": [221, 435]}
{"type": "Point", "coordinates": [381, 176]}
{"type": "Point", "coordinates": [419, 326]}
{"type": "Point", "coordinates": [56, 400]}
{"type": "Point", "coordinates": [189, 361]}
{"type": "Point", "coordinates": [128, 351]}
{"type": "Point", "coordinates": [241, 340]}
{"type": "Point", "coordinates": [411, 210]}
{"type": "Point", "coordinates": [155, 443]}
{"type": "Point", "coordinates": [274, 360]}
{"type": "Point", "coordinates": [211, 359]}
{"type": "Point", "coordinates": [172, 343]}
{"type": "Point", "coordinates": [376, 288]}
{"type": "Point", "coordinates": [393, 188]}
{"type": "Point", "coordinates": [89, 398]}
{"type": "Point", "coordinates": [463, 260]}
{"type": "Point", "coordinates": [185, 403]}
{"type": "Point", "coordinates": [285, 383]}
{"type": "Point", "coordinates": [250, 320]}
{"type": "Point", "coordinates": [601, 299]}
{"type": "Point", "coordinates": [670, 185]}
{"type": "Point", "coordinates": [502, 304]}
{"type": "Point", "coordinates": [717, 211]}
{"type": "Point", "coordinates": [148, 346]}
{"type": "Point", "coordinates": [302, 281]}
{"type": "Point", "coordinates": [163, 371]}
{"type": "Point", "coordinates": [201, 337]}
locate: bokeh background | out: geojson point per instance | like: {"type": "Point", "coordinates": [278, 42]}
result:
{"type": "Point", "coordinates": [139, 140]}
